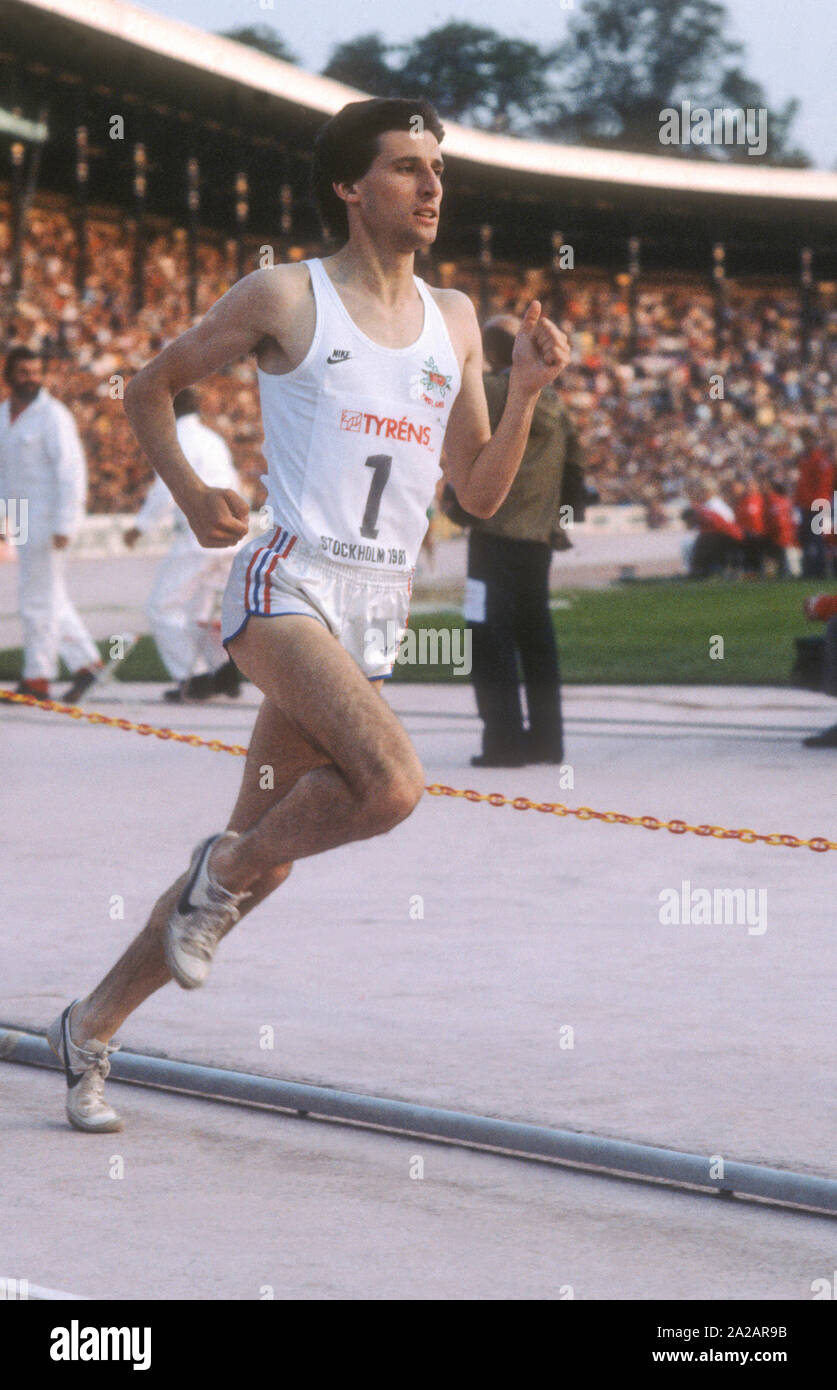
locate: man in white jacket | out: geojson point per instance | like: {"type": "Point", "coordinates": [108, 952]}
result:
{"type": "Point", "coordinates": [43, 478]}
{"type": "Point", "coordinates": [191, 578]}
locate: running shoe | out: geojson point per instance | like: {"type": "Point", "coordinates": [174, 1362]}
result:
{"type": "Point", "coordinates": [204, 913]}
{"type": "Point", "coordinates": [86, 1069]}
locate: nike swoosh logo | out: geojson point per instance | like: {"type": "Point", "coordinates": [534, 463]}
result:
{"type": "Point", "coordinates": [185, 906]}
{"type": "Point", "coordinates": [343, 357]}
{"type": "Point", "coordinates": [73, 1078]}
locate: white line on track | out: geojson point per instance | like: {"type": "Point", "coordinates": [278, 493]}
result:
{"type": "Point", "coordinates": [24, 1292]}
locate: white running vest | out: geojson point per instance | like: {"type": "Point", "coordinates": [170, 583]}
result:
{"type": "Point", "coordinates": [353, 435]}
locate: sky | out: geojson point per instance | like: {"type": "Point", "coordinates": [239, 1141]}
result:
{"type": "Point", "coordinates": [791, 45]}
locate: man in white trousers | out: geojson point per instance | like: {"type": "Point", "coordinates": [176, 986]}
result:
{"type": "Point", "coordinates": [191, 578]}
{"type": "Point", "coordinates": [43, 483]}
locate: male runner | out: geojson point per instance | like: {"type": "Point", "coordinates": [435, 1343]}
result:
{"type": "Point", "coordinates": [363, 372]}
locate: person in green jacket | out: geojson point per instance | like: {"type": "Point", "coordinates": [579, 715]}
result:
{"type": "Point", "coordinates": [507, 588]}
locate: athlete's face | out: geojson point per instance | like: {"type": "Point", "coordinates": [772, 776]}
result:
{"type": "Point", "coordinates": [400, 194]}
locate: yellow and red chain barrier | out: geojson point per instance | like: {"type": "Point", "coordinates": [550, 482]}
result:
{"type": "Point", "coordinates": [519, 803]}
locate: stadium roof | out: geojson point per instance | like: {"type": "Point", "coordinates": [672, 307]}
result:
{"type": "Point", "coordinates": [258, 71]}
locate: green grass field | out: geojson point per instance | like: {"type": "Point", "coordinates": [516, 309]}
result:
{"type": "Point", "coordinates": [661, 633]}
{"type": "Point", "coordinates": [636, 634]}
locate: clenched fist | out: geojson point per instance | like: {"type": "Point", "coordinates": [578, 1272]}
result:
{"type": "Point", "coordinates": [218, 517]}
{"type": "Point", "coordinates": [540, 351]}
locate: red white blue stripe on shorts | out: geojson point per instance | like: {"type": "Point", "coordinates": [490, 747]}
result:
{"type": "Point", "coordinates": [261, 566]}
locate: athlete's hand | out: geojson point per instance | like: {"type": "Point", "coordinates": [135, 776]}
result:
{"type": "Point", "coordinates": [218, 517]}
{"type": "Point", "coordinates": [540, 351]}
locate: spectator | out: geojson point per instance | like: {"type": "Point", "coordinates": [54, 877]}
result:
{"type": "Point", "coordinates": [780, 531]}
{"type": "Point", "coordinates": [648, 425]}
{"type": "Point", "coordinates": [507, 589]}
{"type": "Point", "coordinates": [748, 509]}
{"type": "Point", "coordinates": [815, 485]}
{"type": "Point", "coordinates": [42, 462]}
{"type": "Point", "coordinates": [718, 546]}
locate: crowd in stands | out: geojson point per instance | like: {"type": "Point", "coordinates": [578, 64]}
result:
{"type": "Point", "coordinates": [677, 407]}
{"type": "Point", "coordinates": [92, 338]}
{"type": "Point", "coordinates": [658, 416]}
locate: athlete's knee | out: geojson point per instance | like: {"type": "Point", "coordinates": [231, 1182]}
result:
{"type": "Point", "coordinates": [393, 793]}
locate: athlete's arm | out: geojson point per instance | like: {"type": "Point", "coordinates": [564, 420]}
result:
{"type": "Point", "coordinates": [232, 328]}
{"type": "Point", "coordinates": [481, 466]}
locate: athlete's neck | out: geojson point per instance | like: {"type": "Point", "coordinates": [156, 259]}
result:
{"type": "Point", "coordinates": [384, 274]}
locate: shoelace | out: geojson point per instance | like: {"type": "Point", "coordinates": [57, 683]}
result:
{"type": "Point", "coordinates": [97, 1061]}
{"type": "Point", "coordinates": [202, 936]}
{"type": "Point", "coordinates": [93, 1086]}
{"type": "Point", "coordinates": [96, 1074]}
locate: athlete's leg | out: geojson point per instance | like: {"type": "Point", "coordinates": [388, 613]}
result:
{"type": "Point", "coordinates": [371, 777]}
{"type": "Point", "coordinates": [342, 768]}
{"type": "Point", "coordinates": [142, 969]}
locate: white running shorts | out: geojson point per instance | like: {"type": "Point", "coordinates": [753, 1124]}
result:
{"type": "Point", "coordinates": [365, 608]}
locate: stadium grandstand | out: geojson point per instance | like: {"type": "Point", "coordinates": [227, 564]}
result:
{"type": "Point", "coordinates": [147, 165]}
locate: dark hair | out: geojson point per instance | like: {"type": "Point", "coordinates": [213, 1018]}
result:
{"type": "Point", "coordinates": [498, 345]}
{"type": "Point", "coordinates": [345, 147]}
{"type": "Point", "coordinates": [19, 354]}
{"type": "Point", "coordinates": [186, 403]}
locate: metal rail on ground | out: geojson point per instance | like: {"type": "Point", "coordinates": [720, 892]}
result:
{"type": "Point", "coordinates": [609, 1157]}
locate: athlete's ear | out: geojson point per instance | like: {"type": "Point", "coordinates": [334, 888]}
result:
{"type": "Point", "coordinates": [346, 191]}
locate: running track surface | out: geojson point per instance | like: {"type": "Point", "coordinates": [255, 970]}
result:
{"type": "Point", "coordinates": [706, 1038]}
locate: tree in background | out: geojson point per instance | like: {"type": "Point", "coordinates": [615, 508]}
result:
{"type": "Point", "coordinates": [739, 90]}
{"type": "Point", "coordinates": [363, 63]}
{"type": "Point", "coordinates": [626, 60]}
{"type": "Point", "coordinates": [475, 75]}
{"type": "Point", "coordinates": [264, 38]}
{"type": "Point", "coordinates": [622, 63]}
